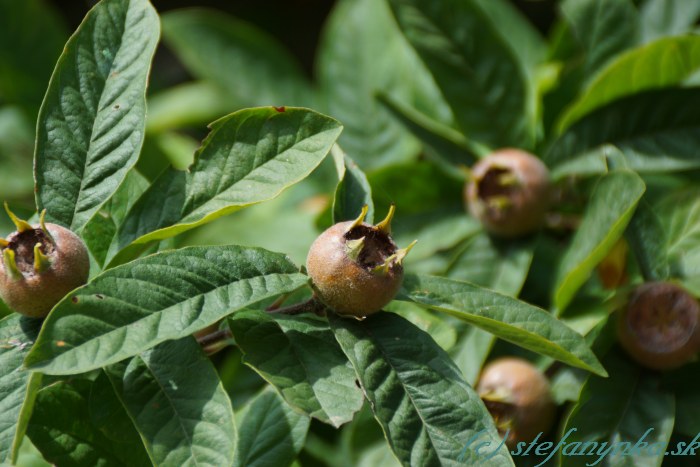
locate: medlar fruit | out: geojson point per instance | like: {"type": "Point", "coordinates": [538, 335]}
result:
{"type": "Point", "coordinates": [355, 267]}
{"type": "Point", "coordinates": [518, 397]}
{"type": "Point", "coordinates": [660, 327]}
{"type": "Point", "coordinates": [509, 192]}
{"type": "Point", "coordinates": [40, 265]}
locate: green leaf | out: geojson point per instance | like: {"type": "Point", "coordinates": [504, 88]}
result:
{"type": "Point", "coordinates": [482, 80]}
{"type": "Point", "coordinates": [352, 193]}
{"type": "Point", "coordinates": [250, 65]}
{"type": "Point", "coordinates": [470, 352]}
{"type": "Point", "coordinates": [427, 411]}
{"type": "Point", "coordinates": [300, 358]}
{"type": "Point", "coordinates": [505, 317]}
{"type": "Point", "coordinates": [688, 413]}
{"type": "Point", "coordinates": [654, 131]}
{"type": "Point", "coordinates": [62, 429]}
{"type": "Point", "coordinates": [497, 265]}
{"type": "Point", "coordinates": [18, 387]}
{"type": "Point", "coordinates": [16, 148]}
{"type": "Point", "coordinates": [99, 233]}
{"type": "Point", "coordinates": [352, 70]}
{"type": "Point", "coordinates": [174, 397]}
{"type": "Point", "coordinates": [92, 120]}
{"type": "Point", "coordinates": [667, 18]}
{"type": "Point", "coordinates": [269, 432]}
{"type": "Point", "coordinates": [619, 409]}
{"type": "Point", "coordinates": [609, 210]}
{"type": "Point", "coordinates": [169, 295]}
{"type": "Point", "coordinates": [249, 157]}
{"type": "Point", "coordinates": [679, 214]}
{"type": "Point", "coordinates": [664, 63]}
{"type": "Point", "coordinates": [603, 29]}
{"type": "Point", "coordinates": [28, 52]}
{"type": "Point", "coordinates": [445, 144]}
{"type": "Point", "coordinates": [647, 240]}
{"type": "Point", "coordinates": [184, 105]}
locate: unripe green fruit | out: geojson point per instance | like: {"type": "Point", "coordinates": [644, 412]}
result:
{"type": "Point", "coordinates": [40, 265]}
{"type": "Point", "coordinates": [509, 192]}
{"type": "Point", "coordinates": [519, 398]}
{"type": "Point", "coordinates": [356, 268]}
{"type": "Point", "coordinates": [660, 327]}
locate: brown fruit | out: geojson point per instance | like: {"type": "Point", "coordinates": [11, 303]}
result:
{"type": "Point", "coordinates": [518, 397]}
{"type": "Point", "coordinates": [356, 268]}
{"type": "Point", "coordinates": [509, 192]}
{"type": "Point", "coordinates": [660, 327]}
{"type": "Point", "coordinates": [40, 265]}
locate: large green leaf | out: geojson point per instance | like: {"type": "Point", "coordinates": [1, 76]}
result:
{"type": "Point", "coordinates": [269, 432]}
{"type": "Point", "coordinates": [352, 70]}
{"type": "Point", "coordinates": [419, 397]}
{"type": "Point", "coordinates": [625, 407]}
{"type": "Point", "coordinates": [663, 63]}
{"type": "Point", "coordinates": [603, 29]}
{"type": "Point", "coordinates": [609, 210]}
{"type": "Point", "coordinates": [173, 394]}
{"type": "Point", "coordinates": [250, 65]}
{"type": "Point", "coordinates": [667, 17]}
{"type": "Point", "coordinates": [653, 131]}
{"type": "Point", "coordinates": [131, 308]}
{"type": "Point", "coordinates": [17, 386]}
{"type": "Point", "coordinates": [647, 240]}
{"type": "Point", "coordinates": [506, 317]}
{"type": "Point", "coordinates": [32, 38]}
{"type": "Point", "coordinates": [92, 121]}
{"type": "Point", "coordinates": [679, 214]}
{"type": "Point", "coordinates": [483, 82]}
{"type": "Point", "coordinates": [64, 429]}
{"type": "Point", "coordinates": [250, 156]}
{"type": "Point", "coordinates": [299, 356]}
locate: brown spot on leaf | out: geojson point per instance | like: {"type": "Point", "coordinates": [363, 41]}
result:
{"type": "Point", "coordinates": [280, 109]}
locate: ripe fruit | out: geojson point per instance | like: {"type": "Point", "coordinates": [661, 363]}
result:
{"type": "Point", "coordinates": [40, 265]}
{"type": "Point", "coordinates": [509, 191]}
{"type": "Point", "coordinates": [660, 328]}
{"type": "Point", "coordinates": [518, 397]}
{"type": "Point", "coordinates": [355, 267]}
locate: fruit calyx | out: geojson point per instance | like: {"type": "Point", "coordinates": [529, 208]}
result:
{"type": "Point", "coordinates": [660, 326]}
{"type": "Point", "coordinates": [356, 268]}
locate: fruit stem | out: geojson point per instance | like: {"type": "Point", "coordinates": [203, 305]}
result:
{"type": "Point", "coordinates": [8, 257]}
{"type": "Point", "coordinates": [360, 219]}
{"type": "Point", "coordinates": [41, 261]}
{"type": "Point", "coordinates": [385, 225]}
{"type": "Point", "coordinates": [22, 225]}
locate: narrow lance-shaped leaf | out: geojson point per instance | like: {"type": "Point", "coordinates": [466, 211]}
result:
{"type": "Point", "coordinates": [482, 81]}
{"type": "Point", "coordinates": [299, 356]}
{"type": "Point", "coordinates": [506, 317]}
{"type": "Point", "coordinates": [269, 432]}
{"type": "Point", "coordinates": [174, 397]}
{"type": "Point", "coordinates": [427, 411]}
{"type": "Point", "coordinates": [627, 407]}
{"type": "Point", "coordinates": [92, 121]}
{"type": "Point", "coordinates": [18, 387]}
{"type": "Point", "coordinates": [250, 156]}
{"type": "Point", "coordinates": [609, 210]}
{"type": "Point", "coordinates": [67, 433]}
{"type": "Point", "coordinates": [131, 308]}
